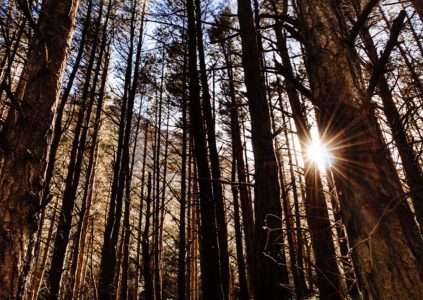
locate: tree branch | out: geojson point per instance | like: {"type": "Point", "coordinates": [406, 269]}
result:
{"type": "Point", "coordinates": [379, 67]}
{"type": "Point", "coordinates": [298, 85]}
{"type": "Point", "coordinates": [355, 30]}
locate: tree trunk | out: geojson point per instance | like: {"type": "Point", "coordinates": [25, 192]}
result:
{"type": "Point", "coordinates": [386, 257]}
{"type": "Point", "coordinates": [75, 166]}
{"type": "Point", "coordinates": [222, 231]}
{"type": "Point", "coordinates": [410, 163]}
{"type": "Point", "coordinates": [25, 137]}
{"type": "Point", "coordinates": [268, 209]}
{"type": "Point", "coordinates": [146, 255]}
{"type": "Point", "coordinates": [242, 276]}
{"type": "Point", "coordinates": [246, 205]}
{"type": "Point", "coordinates": [209, 250]}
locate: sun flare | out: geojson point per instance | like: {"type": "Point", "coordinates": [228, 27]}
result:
{"type": "Point", "coordinates": [318, 153]}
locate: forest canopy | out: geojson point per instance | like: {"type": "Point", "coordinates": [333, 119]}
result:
{"type": "Point", "coordinates": [211, 149]}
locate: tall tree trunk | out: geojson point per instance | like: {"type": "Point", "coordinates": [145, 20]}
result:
{"type": "Point", "coordinates": [75, 166]}
{"type": "Point", "coordinates": [222, 231]}
{"type": "Point", "coordinates": [182, 251]}
{"type": "Point", "coordinates": [38, 278]}
{"type": "Point", "coordinates": [328, 277]}
{"type": "Point", "coordinates": [267, 188]}
{"type": "Point", "coordinates": [385, 255]}
{"type": "Point", "coordinates": [25, 137]}
{"type": "Point", "coordinates": [209, 250]}
{"type": "Point", "coordinates": [246, 205]}
{"type": "Point", "coordinates": [108, 263]}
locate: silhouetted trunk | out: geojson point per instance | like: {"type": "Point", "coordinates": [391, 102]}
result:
{"type": "Point", "coordinates": [25, 137]}
{"type": "Point", "coordinates": [39, 275]}
{"type": "Point", "coordinates": [409, 160]}
{"type": "Point", "coordinates": [158, 206]}
{"type": "Point", "coordinates": [385, 253]}
{"type": "Point", "coordinates": [75, 165]}
{"type": "Point", "coordinates": [296, 269]}
{"type": "Point", "coordinates": [328, 277]}
{"type": "Point", "coordinates": [222, 231]}
{"type": "Point", "coordinates": [352, 286]}
{"type": "Point", "coordinates": [209, 250]}
{"type": "Point", "coordinates": [268, 209]}
{"type": "Point", "coordinates": [146, 255]}
{"type": "Point", "coordinates": [242, 276]}
{"type": "Point", "coordinates": [182, 261]}
{"type": "Point", "coordinates": [246, 205]}
{"type": "Point", "coordinates": [108, 265]}
{"type": "Point", "coordinates": [144, 162]}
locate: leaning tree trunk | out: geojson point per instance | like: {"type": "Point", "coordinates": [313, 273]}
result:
{"type": "Point", "coordinates": [385, 257]}
{"type": "Point", "coordinates": [410, 163]}
{"type": "Point", "coordinates": [25, 137]}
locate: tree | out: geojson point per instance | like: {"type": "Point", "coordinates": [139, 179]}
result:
{"type": "Point", "coordinates": [362, 168]}
{"type": "Point", "coordinates": [23, 148]}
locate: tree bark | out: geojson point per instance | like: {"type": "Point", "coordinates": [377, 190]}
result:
{"type": "Point", "coordinates": [25, 137]}
{"type": "Point", "coordinates": [387, 258]}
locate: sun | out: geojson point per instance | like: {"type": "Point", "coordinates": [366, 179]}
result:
{"type": "Point", "coordinates": [318, 153]}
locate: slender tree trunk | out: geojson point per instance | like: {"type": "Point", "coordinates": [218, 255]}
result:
{"type": "Point", "coordinates": [74, 168]}
{"type": "Point", "coordinates": [222, 231]}
{"type": "Point", "coordinates": [25, 137]}
{"type": "Point", "coordinates": [182, 251]}
{"type": "Point", "coordinates": [268, 209]}
{"type": "Point", "coordinates": [246, 205]}
{"type": "Point", "coordinates": [385, 255]}
{"type": "Point", "coordinates": [146, 255]}
{"type": "Point", "coordinates": [328, 277]}
{"type": "Point", "coordinates": [38, 278]}
{"type": "Point", "coordinates": [209, 250]}
{"type": "Point", "coordinates": [144, 162]}
{"type": "Point", "coordinates": [242, 276]}
{"type": "Point", "coordinates": [409, 160]}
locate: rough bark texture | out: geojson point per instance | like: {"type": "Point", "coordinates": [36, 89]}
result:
{"type": "Point", "coordinates": [25, 137]}
{"type": "Point", "coordinates": [386, 259]}
{"type": "Point", "coordinates": [268, 209]}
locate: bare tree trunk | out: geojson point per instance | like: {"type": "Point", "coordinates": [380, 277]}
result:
{"type": "Point", "coordinates": [409, 161]}
{"type": "Point", "coordinates": [222, 231]}
{"type": "Point", "coordinates": [38, 278]}
{"type": "Point", "coordinates": [146, 255]}
{"type": "Point", "coordinates": [182, 251]}
{"type": "Point", "coordinates": [75, 165]}
{"type": "Point", "coordinates": [246, 205]}
{"type": "Point", "coordinates": [209, 250]}
{"type": "Point", "coordinates": [25, 137]}
{"type": "Point", "coordinates": [242, 276]}
{"type": "Point", "coordinates": [268, 210]}
{"type": "Point", "coordinates": [386, 256]}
